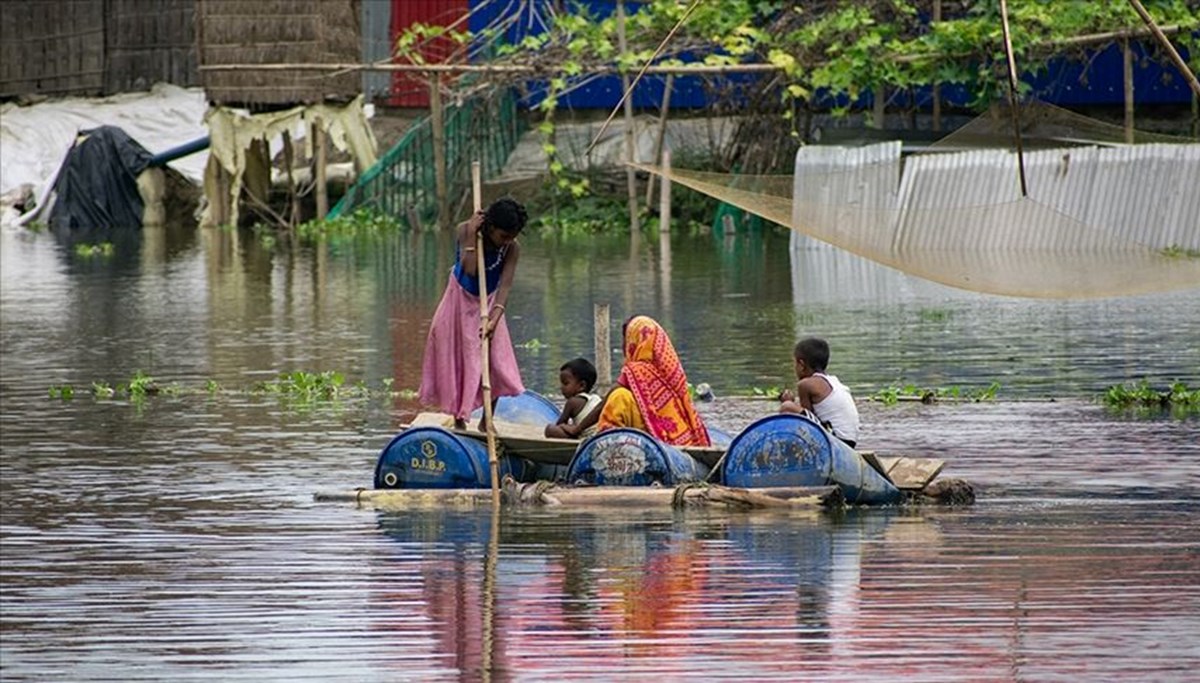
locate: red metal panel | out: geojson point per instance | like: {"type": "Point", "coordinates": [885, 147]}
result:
{"type": "Point", "coordinates": [412, 90]}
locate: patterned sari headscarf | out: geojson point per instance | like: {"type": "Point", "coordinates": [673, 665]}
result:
{"type": "Point", "coordinates": [654, 376]}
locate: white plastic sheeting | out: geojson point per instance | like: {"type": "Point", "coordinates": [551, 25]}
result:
{"type": "Point", "coordinates": [34, 139]}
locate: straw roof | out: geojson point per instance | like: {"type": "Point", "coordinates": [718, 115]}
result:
{"type": "Point", "coordinates": [278, 32]}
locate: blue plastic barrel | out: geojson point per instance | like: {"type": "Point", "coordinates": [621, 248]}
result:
{"type": "Point", "coordinates": [791, 450]}
{"type": "Point", "coordinates": [433, 458]}
{"type": "Point", "coordinates": [630, 457]}
{"type": "Point", "coordinates": [529, 408]}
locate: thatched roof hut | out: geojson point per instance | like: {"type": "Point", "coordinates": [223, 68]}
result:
{"type": "Point", "coordinates": [77, 47]}
{"type": "Point", "coordinates": [278, 32]}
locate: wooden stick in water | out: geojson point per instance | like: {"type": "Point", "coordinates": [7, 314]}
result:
{"type": "Point", "coordinates": [485, 342]}
{"type": "Point", "coordinates": [1012, 95]}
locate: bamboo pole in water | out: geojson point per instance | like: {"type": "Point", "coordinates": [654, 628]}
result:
{"type": "Point", "coordinates": [630, 174]}
{"type": "Point", "coordinates": [1127, 62]}
{"type": "Point", "coordinates": [603, 344]}
{"type": "Point", "coordinates": [485, 341]}
{"type": "Point", "coordinates": [662, 134]}
{"type": "Point", "coordinates": [437, 126]}
{"type": "Point", "coordinates": [322, 186]}
{"type": "Point", "coordinates": [1012, 95]}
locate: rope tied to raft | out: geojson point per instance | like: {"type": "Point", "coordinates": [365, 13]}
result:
{"type": "Point", "coordinates": [679, 497]}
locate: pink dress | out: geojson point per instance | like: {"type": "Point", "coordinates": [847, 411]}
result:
{"type": "Point", "coordinates": [452, 374]}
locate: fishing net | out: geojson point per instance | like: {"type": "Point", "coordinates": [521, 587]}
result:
{"type": "Point", "coordinates": [1101, 218]}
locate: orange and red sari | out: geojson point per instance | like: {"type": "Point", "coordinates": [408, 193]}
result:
{"type": "Point", "coordinates": [652, 392]}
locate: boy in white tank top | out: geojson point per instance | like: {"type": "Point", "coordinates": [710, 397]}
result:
{"type": "Point", "coordinates": [581, 411]}
{"type": "Point", "coordinates": [821, 395]}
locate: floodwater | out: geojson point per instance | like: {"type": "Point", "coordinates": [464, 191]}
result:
{"type": "Point", "coordinates": [177, 537]}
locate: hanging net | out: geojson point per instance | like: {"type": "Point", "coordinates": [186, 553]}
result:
{"type": "Point", "coordinates": [1101, 218]}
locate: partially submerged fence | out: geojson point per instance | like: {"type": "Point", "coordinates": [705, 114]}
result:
{"type": "Point", "coordinates": [404, 181]}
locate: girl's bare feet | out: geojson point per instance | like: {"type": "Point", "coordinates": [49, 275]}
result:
{"type": "Point", "coordinates": [460, 423]}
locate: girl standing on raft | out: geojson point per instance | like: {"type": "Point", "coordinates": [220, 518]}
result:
{"type": "Point", "coordinates": [452, 376]}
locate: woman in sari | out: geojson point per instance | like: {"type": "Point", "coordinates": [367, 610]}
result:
{"type": "Point", "coordinates": [651, 392]}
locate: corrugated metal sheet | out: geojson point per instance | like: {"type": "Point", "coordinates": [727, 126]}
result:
{"type": "Point", "coordinates": [412, 90]}
{"type": "Point", "coordinates": [847, 192]}
{"type": "Point", "coordinates": [1083, 199]}
{"type": "Point", "coordinates": [1092, 225]}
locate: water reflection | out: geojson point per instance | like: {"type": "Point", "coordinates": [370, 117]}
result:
{"type": "Point", "coordinates": [578, 593]}
{"type": "Point", "coordinates": [947, 595]}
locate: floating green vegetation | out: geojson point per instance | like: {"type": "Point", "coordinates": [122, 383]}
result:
{"type": "Point", "coordinates": [306, 386]}
{"type": "Point", "coordinates": [772, 393]}
{"type": "Point", "coordinates": [934, 315]}
{"type": "Point", "coordinates": [1177, 399]}
{"type": "Point", "coordinates": [359, 223]}
{"type": "Point", "coordinates": [1176, 251]}
{"type": "Point", "coordinates": [533, 345]}
{"type": "Point", "coordinates": [101, 250]}
{"type": "Point", "coordinates": [298, 389]}
{"type": "Point", "coordinates": [910, 392]}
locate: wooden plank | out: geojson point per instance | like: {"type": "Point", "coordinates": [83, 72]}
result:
{"type": "Point", "coordinates": [912, 473]}
{"type": "Point", "coordinates": [874, 462]}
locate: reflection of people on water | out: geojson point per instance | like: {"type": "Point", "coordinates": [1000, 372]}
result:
{"type": "Point", "coordinates": [651, 392]}
{"type": "Point", "coordinates": [452, 375]}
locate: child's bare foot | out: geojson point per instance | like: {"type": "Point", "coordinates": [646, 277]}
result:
{"type": "Point", "coordinates": [460, 423]}
{"type": "Point", "coordinates": [483, 424]}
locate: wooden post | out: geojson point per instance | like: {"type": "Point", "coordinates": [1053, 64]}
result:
{"type": "Point", "coordinates": [318, 133]}
{"type": "Point", "coordinates": [414, 219]}
{"type": "Point", "coordinates": [1195, 115]}
{"type": "Point", "coordinates": [937, 92]}
{"type": "Point", "coordinates": [289, 160]}
{"type": "Point", "coordinates": [664, 200]}
{"type": "Point", "coordinates": [662, 134]}
{"type": "Point", "coordinates": [485, 343]}
{"type": "Point", "coordinates": [437, 125]}
{"type": "Point", "coordinates": [630, 174]}
{"type": "Point", "coordinates": [1127, 59]}
{"type": "Point", "coordinates": [879, 108]}
{"type": "Point", "coordinates": [603, 344]}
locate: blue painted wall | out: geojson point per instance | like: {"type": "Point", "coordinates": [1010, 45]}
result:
{"type": "Point", "coordinates": [1098, 82]}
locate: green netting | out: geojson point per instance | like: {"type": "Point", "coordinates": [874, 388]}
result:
{"type": "Point", "coordinates": [479, 129]}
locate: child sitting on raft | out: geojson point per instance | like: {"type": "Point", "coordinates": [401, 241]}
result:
{"type": "Point", "coordinates": [581, 411]}
{"type": "Point", "coordinates": [819, 395]}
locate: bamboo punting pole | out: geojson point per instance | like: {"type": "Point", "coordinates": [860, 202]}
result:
{"type": "Point", "coordinates": [490, 562]}
{"type": "Point", "coordinates": [1161, 36]}
{"type": "Point", "coordinates": [485, 342]}
{"type": "Point", "coordinates": [437, 124]}
{"type": "Point", "coordinates": [597, 497]}
{"type": "Point", "coordinates": [1012, 95]}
